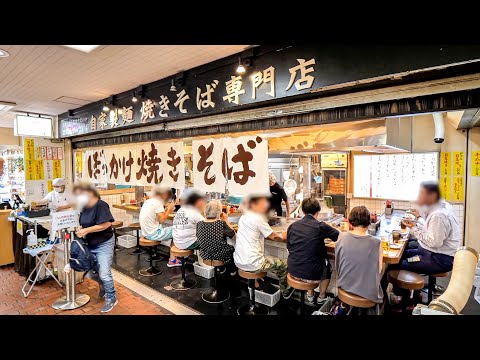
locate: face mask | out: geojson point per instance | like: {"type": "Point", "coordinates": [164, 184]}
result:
{"type": "Point", "coordinates": [57, 190]}
{"type": "Point", "coordinates": [82, 200]}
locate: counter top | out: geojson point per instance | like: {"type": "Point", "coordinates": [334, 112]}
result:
{"type": "Point", "coordinates": [127, 207]}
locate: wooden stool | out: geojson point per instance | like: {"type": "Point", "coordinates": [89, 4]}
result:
{"type": "Point", "coordinates": [356, 301]}
{"type": "Point", "coordinates": [152, 270]}
{"type": "Point", "coordinates": [138, 250]}
{"type": "Point", "coordinates": [183, 283]}
{"type": "Point", "coordinates": [215, 295]}
{"type": "Point", "coordinates": [303, 287]}
{"type": "Point", "coordinates": [407, 280]}
{"type": "Point", "coordinates": [432, 284]}
{"type": "Point", "coordinates": [252, 308]}
{"type": "Point", "coordinates": [116, 225]}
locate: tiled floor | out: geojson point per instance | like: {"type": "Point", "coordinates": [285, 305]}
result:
{"type": "Point", "coordinates": [43, 295]}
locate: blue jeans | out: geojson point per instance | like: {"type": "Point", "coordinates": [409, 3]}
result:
{"type": "Point", "coordinates": [104, 255]}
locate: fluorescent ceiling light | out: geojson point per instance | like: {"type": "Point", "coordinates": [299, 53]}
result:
{"type": "Point", "coordinates": [84, 48]}
{"type": "Point", "coordinates": [5, 106]}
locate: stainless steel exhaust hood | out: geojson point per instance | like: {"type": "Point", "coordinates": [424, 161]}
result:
{"type": "Point", "coordinates": [390, 135]}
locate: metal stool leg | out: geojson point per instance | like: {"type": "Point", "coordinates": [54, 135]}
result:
{"type": "Point", "coordinates": [215, 295]}
{"type": "Point", "coordinates": [183, 283]}
{"type": "Point", "coordinates": [431, 287]}
{"type": "Point", "coordinates": [252, 308]}
{"type": "Point", "coordinates": [152, 270]}
{"type": "Point", "coordinates": [116, 247]}
{"type": "Point", "coordinates": [302, 302]}
{"type": "Point", "coordinates": [138, 250]}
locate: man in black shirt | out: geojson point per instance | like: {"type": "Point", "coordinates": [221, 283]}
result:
{"type": "Point", "coordinates": [278, 195]}
{"type": "Point", "coordinates": [307, 259]}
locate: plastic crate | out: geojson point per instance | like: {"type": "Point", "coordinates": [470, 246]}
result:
{"type": "Point", "coordinates": [204, 271]}
{"type": "Point", "coordinates": [476, 282]}
{"type": "Point", "coordinates": [264, 298]}
{"type": "Point", "coordinates": [127, 241]}
{"type": "Point", "coordinates": [477, 270]}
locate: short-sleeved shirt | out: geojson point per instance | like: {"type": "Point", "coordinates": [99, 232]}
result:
{"type": "Point", "coordinates": [306, 247]}
{"type": "Point", "coordinates": [148, 216]}
{"type": "Point", "coordinates": [185, 226]}
{"type": "Point", "coordinates": [357, 261]}
{"type": "Point", "coordinates": [249, 253]}
{"type": "Point", "coordinates": [212, 236]}
{"type": "Point", "coordinates": [278, 195]}
{"type": "Point", "coordinates": [96, 215]}
{"type": "Point", "coordinates": [56, 199]}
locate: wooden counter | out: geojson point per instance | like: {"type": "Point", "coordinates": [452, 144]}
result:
{"type": "Point", "coordinates": [6, 239]}
{"type": "Point", "coordinates": [130, 208]}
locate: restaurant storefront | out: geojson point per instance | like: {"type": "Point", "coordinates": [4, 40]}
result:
{"type": "Point", "coordinates": [324, 123]}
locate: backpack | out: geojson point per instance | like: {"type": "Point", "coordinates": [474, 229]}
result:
{"type": "Point", "coordinates": [81, 258]}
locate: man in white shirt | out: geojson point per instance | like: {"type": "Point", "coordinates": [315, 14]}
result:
{"type": "Point", "coordinates": [186, 219]}
{"type": "Point", "coordinates": [59, 199]}
{"type": "Point", "coordinates": [437, 231]}
{"type": "Point", "coordinates": [249, 253]}
{"type": "Point", "coordinates": [153, 215]}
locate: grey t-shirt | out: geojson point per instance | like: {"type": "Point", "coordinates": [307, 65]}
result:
{"type": "Point", "coordinates": [357, 263]}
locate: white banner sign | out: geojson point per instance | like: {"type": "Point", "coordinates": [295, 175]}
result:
{"type": "Point", "coordinates": [64, 220]}
{"type": "Point", "coordinates": [207, 165]}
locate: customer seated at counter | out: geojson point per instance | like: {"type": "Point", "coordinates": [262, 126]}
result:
{"type": "Point", "coordinates": [249, 253]}
{"type": "Point", "coordinates": [437, 231]}
{"type": "Point", "coordinates": [186, 220]}
{"type": "Point", "coordinates": [153, 215]}
{"type": "Point", "coordinates": [359, 258]}
{"type": "Point", "coordinates": [307, 259]}
{"type": "Point", "coordinates": [212, 233]}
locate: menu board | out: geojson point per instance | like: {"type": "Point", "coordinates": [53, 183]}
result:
{"type": "Point", "coordinates": [393, 176]}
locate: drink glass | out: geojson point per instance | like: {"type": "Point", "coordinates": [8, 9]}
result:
{"type": "Point", "coordinates": [396, 237]}
{"type": "Point", "coordinates": [385, 244]}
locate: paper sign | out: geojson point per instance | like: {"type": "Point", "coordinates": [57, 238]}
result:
{"type": "Point", "coordinates": [49, 153]}
{"type": "Point", "coordinates": [458, 163]}
{"type": "Point", "coordinates": [445, 164]}
{"type": "Point", "coordinates": [445, 187]}
{"type": "Point", "coordinates": [57, 169]}
{"type": "Point", "coordinates": [476, 163]}
{"type": "Point", "coordinates": [39, 170]}
{"type": "Point", "coordinates": [29, 169]}
{"type": "Point", "coordinates": [49, 185]}
{"type": "Point", "coordinates": [458, 188]}
{"type": "Point", "coordinates": [20, 227]}
{"type": "Point", "coordinates": [337, 160]}
{"type": "Point", "coordinates": [60, 153]}
{"type": "Point", "coordinates": [78, 162]}
{"type": "Point", "coordinates": [29, 149]}
{"type": "Point", "coordinates": [43, 150]}
{"type": "Point", "coordinates": [64, 219]}
{"type": "Point", "coordinates": [54, 153]}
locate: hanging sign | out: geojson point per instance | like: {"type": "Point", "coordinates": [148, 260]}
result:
{"type": "Point", "coordinates": [207, 157]}
{"type": "Point", "coordinates": [64, 220]}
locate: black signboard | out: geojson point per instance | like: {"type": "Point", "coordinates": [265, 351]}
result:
{"type": "Point", "coordinates": [273, 73]}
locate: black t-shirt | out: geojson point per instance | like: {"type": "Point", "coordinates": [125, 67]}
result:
{"type": "Point", "coordinates": [306, 247]}
{"type": "Point", "coordinates": [96, 215]}
{"type": "Point", "coordinates": [278, 194]}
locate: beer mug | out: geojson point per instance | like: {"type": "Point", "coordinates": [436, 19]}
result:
{"type": "Point", "coordinates": [385, 244]}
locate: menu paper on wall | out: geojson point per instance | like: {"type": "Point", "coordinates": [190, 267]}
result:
{"type": "Point", "coordinates": [458, 163]}
{"type": "Point", "coordinates": [445, 187]}
{"type": "Point", "coordinates": [476, 163]}
{"type": "Point", "coordinates": [458, 191]}
{"type": "Point", "coordinates": [393, 176]}
{"type": "Point", "coordinates": [445, 163]}
{"type": "Point", "coordinates": [64, 220]}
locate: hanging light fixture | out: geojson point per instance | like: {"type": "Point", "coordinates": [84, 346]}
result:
{"type": "Point", "coordinates": [106, 107]}
{"type": "Point", "coordinates": [134, 98]}
{"type": "Point", "coordinates": [173, 87]}
{"type": "Point", "coordinates": [240, 68]}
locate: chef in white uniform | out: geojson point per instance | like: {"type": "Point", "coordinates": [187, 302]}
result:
{"type": "Point", "coordinates": [59, 199]}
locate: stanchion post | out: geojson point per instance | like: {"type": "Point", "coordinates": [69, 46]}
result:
{"type": "Point", "coordinates": [72, 272]}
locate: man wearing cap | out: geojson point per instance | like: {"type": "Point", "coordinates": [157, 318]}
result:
{"type": "Point", "coordinates": [153, 215]}
{"type": "Point", "coordinates": [59, 199]}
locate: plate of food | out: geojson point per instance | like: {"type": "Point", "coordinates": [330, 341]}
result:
{"type": "Point", "coordinates": [410, 217]}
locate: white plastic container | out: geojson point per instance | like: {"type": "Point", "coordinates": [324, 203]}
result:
{"type": "Point", "coordinates": [127, 241]}
{"type": "Point", "coordinates": [264, 298]}
{"type": "Point", "coordinates": [204, 271]}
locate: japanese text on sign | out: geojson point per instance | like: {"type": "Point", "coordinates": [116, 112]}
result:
{"type": "Point", "coordinates": [64, 220]}
{"type": "Point", "coordinates": [458, 163]}
{"type": "Point", "coordinates": [458, 188]}
{"type": "Point", "coordinates": [445, 164]}
{"type": "Point", "coordinates": [476, 163]}
{"type": "Point", "coordinates": [445, 187]}
{"type": "Point", "coordinates": [29, 149]}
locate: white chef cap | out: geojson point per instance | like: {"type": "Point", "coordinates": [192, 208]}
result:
{"type": "Point", "coordinates": [58, 182]}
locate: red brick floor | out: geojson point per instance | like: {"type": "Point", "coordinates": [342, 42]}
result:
{"type": "Point", "coordinates": [43, 295]}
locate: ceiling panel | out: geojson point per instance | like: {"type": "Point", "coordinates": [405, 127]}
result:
{"type": "Point", "coordinates": [38, 77]}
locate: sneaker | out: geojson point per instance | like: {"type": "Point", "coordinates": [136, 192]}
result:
{"type": "Point", "coordinates": [174, 263]}
{"type": "Point", "coordinates": [310, 299]}
{"type": "Point", "coordinates": [321, 301]}
{"type": "Point", "coordinates": [233, 273]}
{"type": "Point", "coordinates": [109, 304]}
{"type": "Point", "coordinates": [288, 293]}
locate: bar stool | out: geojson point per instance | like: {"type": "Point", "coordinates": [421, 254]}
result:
{"type": "Point", "coordinates": [138, 250]}
{"type": "Point", "coordinates": [116, 225]}
{"type": "Point", "coordinates": [357, 301]}
{"type": "Point", "coordinates": [152, 270]}
{"type": "Point", "coordinates": [183, 283]}
{"type": "Point", "coordinates": [252, 308]}
{"type": "Point", "coordinates": [215, 295]}
{"type": "Point", "coordinates": [303, 287]}
{"type": "Point", "coordinates": [432, 284]}
{"type": "Point", "coordinates": [406, 280]}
